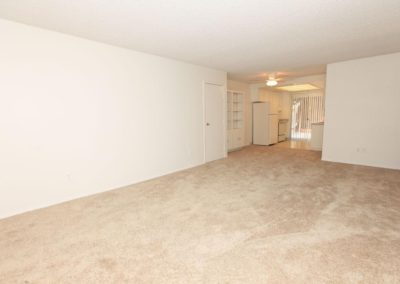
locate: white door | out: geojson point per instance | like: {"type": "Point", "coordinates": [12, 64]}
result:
{"type": "Point", "coordinates": [214, 122]}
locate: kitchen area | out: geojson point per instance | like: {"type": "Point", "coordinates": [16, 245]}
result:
{"type": "Point", "coordinates": [262, 115]}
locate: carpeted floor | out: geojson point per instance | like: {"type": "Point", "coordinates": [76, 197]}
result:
{"type": "Point", "coordinates": [264, 215]}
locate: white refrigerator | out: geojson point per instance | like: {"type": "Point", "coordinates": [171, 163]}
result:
{"type": "Point", "coordinates": [265, 124]}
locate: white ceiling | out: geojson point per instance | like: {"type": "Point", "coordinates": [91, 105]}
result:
{"type": "Point", "coordinates": [247, 38]}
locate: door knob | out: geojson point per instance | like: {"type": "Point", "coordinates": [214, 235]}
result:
{"type": "Point", "coordinates": [208, 124]}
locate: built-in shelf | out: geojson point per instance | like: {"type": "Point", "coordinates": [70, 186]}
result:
{"type": "Point", "coordinates": [235, 110]}
{"type": "Point", "coordinates": [235, 116]}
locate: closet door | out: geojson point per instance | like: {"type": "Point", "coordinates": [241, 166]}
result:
{"type": "Point", "coordinates": [214, 123]}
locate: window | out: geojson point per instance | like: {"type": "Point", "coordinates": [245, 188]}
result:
{"type": "Point", "coordinates": [306, 110]}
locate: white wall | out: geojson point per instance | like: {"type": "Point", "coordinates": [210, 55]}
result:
{"type": "Point", "coordinates": [362, 124]}
{"type": "Point", "coordinates": [244, 88]}
{"type": "Point", "coordinates": [79, 117]}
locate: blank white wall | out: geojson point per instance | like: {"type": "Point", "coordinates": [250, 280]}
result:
{"type": "Point", "coordinates": [79, 117]}
{"type": "Point", "coordinates": [362, 124]}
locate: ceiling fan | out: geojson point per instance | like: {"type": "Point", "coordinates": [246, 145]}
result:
{"type": "Point", "coordinates": [274, 78]}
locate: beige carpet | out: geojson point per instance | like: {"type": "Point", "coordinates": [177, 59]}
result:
{"type": "Point", "coordinates": [264, 215]}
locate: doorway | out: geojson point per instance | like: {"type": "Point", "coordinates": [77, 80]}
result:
{"type": "Point", "coordinates": [214, 122]}
{"type": "Point", "coordinates": [306, 110]}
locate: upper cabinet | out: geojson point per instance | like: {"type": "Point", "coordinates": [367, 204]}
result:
{"type": "Point", "coordinates": [280, 102]}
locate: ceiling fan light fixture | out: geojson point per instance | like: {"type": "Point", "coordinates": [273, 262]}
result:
{"type": "Point", "coordinates": [271, 82]}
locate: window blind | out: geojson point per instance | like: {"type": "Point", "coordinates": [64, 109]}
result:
{"type": "Point", "coordinates": [306, 110]}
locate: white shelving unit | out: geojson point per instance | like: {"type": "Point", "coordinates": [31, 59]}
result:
{"type": "Point", "coordinates": [235, 123]}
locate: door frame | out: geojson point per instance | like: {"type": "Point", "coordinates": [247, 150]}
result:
{"type": "Point", "coordinates": [224, 118]}
{"type": "Point", "coordinates": [308, 95]}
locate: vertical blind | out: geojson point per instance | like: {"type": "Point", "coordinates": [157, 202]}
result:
{"type": "Point", "coordinates": [305, 111]}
